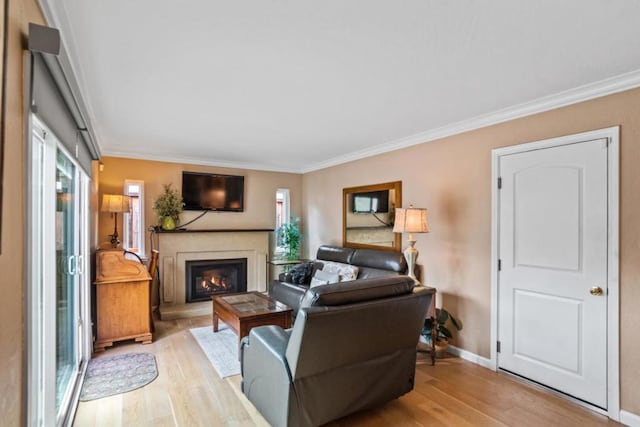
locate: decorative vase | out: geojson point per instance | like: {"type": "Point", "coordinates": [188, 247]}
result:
{"type": "Point", "coordinates": [168, 223]}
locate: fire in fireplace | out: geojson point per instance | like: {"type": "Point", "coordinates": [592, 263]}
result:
{"type": "Point", "coordinates": [205, 278]}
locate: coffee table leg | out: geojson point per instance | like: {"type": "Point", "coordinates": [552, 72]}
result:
{"type": "Point", "coordinates": [215, 321]}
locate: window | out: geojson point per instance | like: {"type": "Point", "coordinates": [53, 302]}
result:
{"type": "Point", "coordinates": [133, 221]}
{"type": "Point", "coordinates": [282, 213]}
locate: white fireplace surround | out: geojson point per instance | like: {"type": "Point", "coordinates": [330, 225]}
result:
{"type": "Point", "coordinates": [176, 248]}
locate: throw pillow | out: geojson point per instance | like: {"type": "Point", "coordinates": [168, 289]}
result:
{"type": "Point", "coordinates": [301, 273]}
{"type": "Point", "coordinates": [323, 278]}
{"type": "Point", "coordinates": [346, 272]}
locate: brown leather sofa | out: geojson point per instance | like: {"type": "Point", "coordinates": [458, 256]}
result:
{"type": "Point", "coordinates": [371, 263]}
{"type": "Point", "coordinates": [352, 347]}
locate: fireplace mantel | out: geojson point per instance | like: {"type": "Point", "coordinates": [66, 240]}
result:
{"type": "Point", "coordinates": [177, 247]}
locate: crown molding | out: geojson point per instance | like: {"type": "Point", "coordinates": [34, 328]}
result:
{"type": "Point", "coordinates": [583, 93]}
{"type": "Point", "coordinates": [199, 161]}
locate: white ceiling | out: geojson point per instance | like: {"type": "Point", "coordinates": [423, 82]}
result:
{"type": "Point", "coordinates": [299, 84]}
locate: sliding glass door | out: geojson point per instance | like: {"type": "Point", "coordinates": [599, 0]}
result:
{"type": "Point", "coordinates": [59, 341]}
{"type": "Point", "coordinates": [67, 303]}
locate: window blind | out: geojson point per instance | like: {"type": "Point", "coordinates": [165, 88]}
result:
{"type": "Point", "coordinates": [53, 100]}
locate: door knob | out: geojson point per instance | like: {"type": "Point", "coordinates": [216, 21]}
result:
{"type": "Point", "coordinates": [596, 290]}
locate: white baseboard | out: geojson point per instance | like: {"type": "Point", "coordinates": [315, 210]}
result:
{"type": "Point", "coordinates": [629, 419]}
{"type": "Point", "coordinates": [471, 357]}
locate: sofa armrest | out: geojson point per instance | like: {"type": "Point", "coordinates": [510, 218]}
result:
{"type": "Point", "coordinates": [265, 341]}
{"type": "Point", "coordinates": [266, 378]}
{"type": "Point", "coordinates": [287, 293]}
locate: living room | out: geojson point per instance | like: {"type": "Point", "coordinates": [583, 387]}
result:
{"type": "Point", "coordinates": [446, 167]}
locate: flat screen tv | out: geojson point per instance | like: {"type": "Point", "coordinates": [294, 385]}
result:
{"type": "Point", "coordinates": [206, 191]}
{"type": "Point", "coordinates": [371, 202]}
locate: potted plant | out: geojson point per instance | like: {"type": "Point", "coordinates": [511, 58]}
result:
{"type": "Point", "coordinates": [443, 334]}
{"type": "Point", "coordinates": [167, 207]}
{"type": "Point", "coordinates": [289, 237]}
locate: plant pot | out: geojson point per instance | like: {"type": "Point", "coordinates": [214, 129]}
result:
{"type": "Point", "coordinates": [424, 344]}
{"type": "Point", "coordinates": [168, 223]}
{"type": "Point", "coordinates": [441, 348]}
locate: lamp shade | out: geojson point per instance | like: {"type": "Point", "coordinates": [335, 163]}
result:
{"type": "Point", "coordinates": [115, 203]}
{"type": "Point", "coordinates": [411, 220]}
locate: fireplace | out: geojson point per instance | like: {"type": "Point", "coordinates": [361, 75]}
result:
{"type": "Point", "coordinates": [205, 278]}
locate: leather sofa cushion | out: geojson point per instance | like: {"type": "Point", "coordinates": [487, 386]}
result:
{"type": "Point", "coordinates": [357, 291]}
{"type": "Point", "coordinates": [370, 273]}
{"type": "Point", "coordinates": [335, 253]}
{"type": "Point", "coordinates": [381, 260]}
{"type": "Point", "coordinates": [288, 293]}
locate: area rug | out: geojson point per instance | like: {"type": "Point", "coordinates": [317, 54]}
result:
{"type": "Point", "coordinates": [221, 348]}
{"type": "Point", "coordinates": [107, 376]}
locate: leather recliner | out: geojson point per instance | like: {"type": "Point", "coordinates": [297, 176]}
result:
{"type": "Point", "coordinates": [352, 346]}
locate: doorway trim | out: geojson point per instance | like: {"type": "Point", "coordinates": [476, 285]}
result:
{"type": "Point", "coordinates": [613, 194]}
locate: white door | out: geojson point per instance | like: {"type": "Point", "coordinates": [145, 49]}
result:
{"type": "Point", "coordinates": [552, 323]}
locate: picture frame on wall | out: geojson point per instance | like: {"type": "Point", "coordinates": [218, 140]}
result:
{"type": "Point", "coordinates": [4, 12]}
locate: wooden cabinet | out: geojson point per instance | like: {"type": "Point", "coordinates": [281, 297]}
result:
{"type": "Point", "coordinates": [123, 290]}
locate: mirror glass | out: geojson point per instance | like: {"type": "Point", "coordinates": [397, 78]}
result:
{"type": "Point", "coordinates": [368, 213]}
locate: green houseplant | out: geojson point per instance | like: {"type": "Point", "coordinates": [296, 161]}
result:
{"type": "Point", "coordinates": [168, 207]}
{"type": "Point", "coordinates": [289, 238]}
{"type": "Point", "coordinates": [443, 334]}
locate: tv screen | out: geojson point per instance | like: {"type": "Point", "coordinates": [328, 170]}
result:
{"type": "Point", "coordinates": [205, 191]}
{"type": "Point", "coordinates": [371, 202]}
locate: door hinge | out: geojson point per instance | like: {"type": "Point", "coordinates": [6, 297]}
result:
{"type": "Point", "coordinates": [499, 265]}
{"type": "Point", "coordinates": [499, 183]}
{"type": "Point", "coordinates": [498, 346]}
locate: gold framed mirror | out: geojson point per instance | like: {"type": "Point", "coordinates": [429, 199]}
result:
{"type": "Point", "coordinates": [368, 213]}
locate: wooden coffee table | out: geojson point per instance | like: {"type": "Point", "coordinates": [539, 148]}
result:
{"type": "Point", "coordinates": [246, 310]}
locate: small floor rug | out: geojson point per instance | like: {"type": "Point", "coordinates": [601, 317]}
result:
{"type": "Point", "coordinates": [107, 376]}
{"type": "Point", "coordinates": [220, 347]}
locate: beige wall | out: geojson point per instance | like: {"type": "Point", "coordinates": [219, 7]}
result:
{"type": "Point", "coordinates": [12, 312]}
{"type": "Point", "coordinates": [452, 178]}
{"type": "Point", "coordinates": [259, 196]}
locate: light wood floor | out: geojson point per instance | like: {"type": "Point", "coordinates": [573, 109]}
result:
{"type": "Point", "coordinates": [188, 392]}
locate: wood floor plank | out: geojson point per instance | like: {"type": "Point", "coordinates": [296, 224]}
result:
{"type": "Point", "coordinates": [109, 412]}
{"type": "Point", "coordinates": [499, 395]}
{"type": "Point", "coordinates": [453, 393]}
{"type": "Point", "coordinates": [86, 413]}
{"type": "Point", "coordinates": [134, 407]}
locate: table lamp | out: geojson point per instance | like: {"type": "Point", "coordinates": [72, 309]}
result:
{"type": "Point", "coordinates": [411, 220]}
{"type": "Point", "coordinates": [115, 203]}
